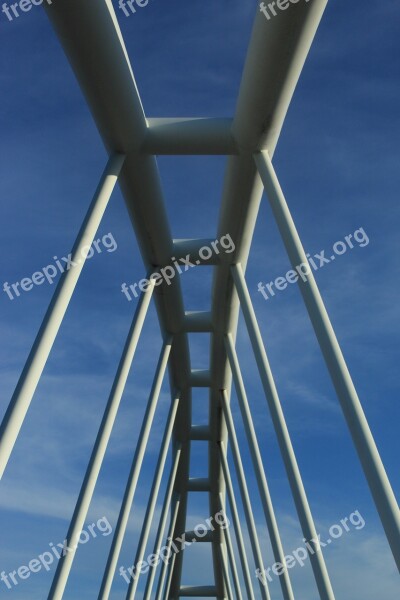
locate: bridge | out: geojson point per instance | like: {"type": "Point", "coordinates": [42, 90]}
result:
{"type": "Point", "coordinates": [92, 41]}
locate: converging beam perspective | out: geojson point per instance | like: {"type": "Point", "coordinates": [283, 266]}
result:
{"type": "Point", "coordinates": [94, 47]}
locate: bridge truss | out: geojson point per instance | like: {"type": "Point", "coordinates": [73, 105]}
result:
{"type": "Point", "coordinates": [93, 44]}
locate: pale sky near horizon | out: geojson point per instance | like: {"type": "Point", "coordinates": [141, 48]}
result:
{"type": "Point", "coordinates": [338, 162]}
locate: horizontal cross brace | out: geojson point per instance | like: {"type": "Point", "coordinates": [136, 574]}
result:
{"type": "Point", "coordinates": [198, 484]}
{"type": "Point", "coordinates": [207, 591]}
{"type": "Point", "coordinates": [198, 252]}
{"type": "Point", "coordinates": [193, 536]}
{"type": "Point", "coordinates": [200, 433]}
{"type": "Point", "coordinates": [195, 136]}
{"type": "Point", "coordinates": [198, 322]}
{"type": "Point", "coordinates": [200, 378]}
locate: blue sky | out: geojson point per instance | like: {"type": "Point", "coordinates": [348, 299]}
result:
{"type": "Point", "coordinates": [338, 164]}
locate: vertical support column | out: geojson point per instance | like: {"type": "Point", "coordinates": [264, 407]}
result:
{"type": "Point", "coordinates": [258, 467]}
{"type": "Point", "coordinates": [244, 493]}
{"type": "Point", "coordinates": [363, 440]}
{"type": "Point", "coordinates": [282, 433]}
{"type": "Point", "coordinates": [134, 473]}
{"type": "Point", "coordinates": [100, 447]}
{"type": "Point", "coordinates": [144, 535]}
{"type": "Point", "coordinates": [44, 341]}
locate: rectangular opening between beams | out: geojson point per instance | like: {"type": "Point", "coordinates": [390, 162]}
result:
{"type": "Point", "coordinates": [199, 347]}
{"type": "Point", "coordinates": [195, 555]}
{"type": "Point", "coordinates": [196, 288]}
{"type": "Point", "coordinates": [192, 187]}
{"type": "Point", "coordinates": [199, 459]}
{"type": "Point", "coordinates": [200, 406]}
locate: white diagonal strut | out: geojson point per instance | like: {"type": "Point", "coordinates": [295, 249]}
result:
{"type": "Point", "coordinates": [22, 397]}
{"type": "Point", "coordinates": [249, 140]}
{"type": "Point", "coordinates": [358, 425]}
{"type": "Point", "coordinates": [100, 446]}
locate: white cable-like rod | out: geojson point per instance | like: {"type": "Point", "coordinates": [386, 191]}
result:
{"type": "Point", "coordinates": [269, 512]}
{"type": "Point", "coordinates": [169, 578]}
{"type": "Point", "coordinates": [155, 488]}
{"type": "Point", "coordinates": [285, 444]}
{"type": "Point", "coordinates": [236, 522]}
{"type": "Point", "coordinates": [225, 572]}
{"type": "Point", "coordinates": [255, 544]}
{"type": "Point", "coordinates": [163, 522]}
{"type": "Point", "coordinates": [174, 516]}
{"type": "Point", "coordinates": [100, 447]}
{"type": "Point", "coordinates": [232, 562]}
{"type": "Point", "coordinates": [363, 440]}
{"type": "Point", "coordinates": [36, 361]}
{"type": "Point", "coordinates": [130, 489]}
{"type": "Point", "coordinates": [231, 554]}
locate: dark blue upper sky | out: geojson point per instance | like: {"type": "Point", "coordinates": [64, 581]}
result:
{"type": "Point", "coordinates": [337, 161]}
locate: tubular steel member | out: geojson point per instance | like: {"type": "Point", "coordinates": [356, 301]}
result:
{"type": "Point", "coordinates": [231, 554]}
{"type": "Point", "coordinates": [196, 136]}
{"type": "Point", "coordinates": [173, 584]}
{"type": "Point", "coordinates": [169, 578]}
{"type": "Point", "coordinates": [266, 89]}
{"type": "Point", "coordinates": [276, 542]}
{"type": "Point", "coordinates": [100, 447]}
{"type": "Point", "coordinates": [363, 440]}
{"type": "Point", "coordinates": [52, 320]}
{"type": "Point", "coordinates": [236, 522]}
{"type": "Point", "coordinates": [251, 525]}
{"type": "Point", "coordinates": [144, 535]}
{"type": "Point", "coordinates": [282, 433]}
{"type": "Point", "coordinates": [111, 92]}
{"type": "Point", "coordinates": [225, 572]}
{"type": "Point", "coordinates": [174, 515]}
{"type": "Point", "coordinates": [163, 522]}
{"type": "Point", "coordinates": [232, 563]}
{"type": "Point", "coordinates": [134, 473]}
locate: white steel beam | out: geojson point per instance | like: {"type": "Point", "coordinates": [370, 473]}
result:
{"type": "Point", "coordinates": [232, 563]}
{"type": "Point", "coordinates": [225, 571]}
{"type": "Point", "coordinates": [100, 447]}
{"type": "Point", "coordinates": [200, 433]}
{"type": "Point", "coordinates": [269, 512]}
{"type": "Point", "coordinates": [87, 30]}
{"type": "Point", "coordinates": [163, 521]}
{"type": "Point", "coordinates": [236, 522]}
{"type": "Point", "coordinates": [363, 440]}
{"type": "Point", "coordinates": [163, 573]}
{"type": "Point", "coordinates": [231, 554]}
{"type": "Point", "coordinates": [51, 323]}
{"type": "Point", "coordinates": [200, 378]}
{"type": "Point", "coordinates": [198, 322]}
{"type": "Point", "coordinates": [241, 477]}
{"type": "Point", "coordinates": [195, 136]}
{"type": "Point", "coordinates": [276, 55]}
{"type": "Point", "coordinates": [110, 89]}
{"type": "Point", "coordinates": [155, 488]}
{"type": "Point", "coordinates": [130, 489]}
{"type": "Point", "coordinates": [168, 582]}
{"type": "Point", "coordinates": [282, 433]}
{"type": "Point", "coordinates": [189, 249]}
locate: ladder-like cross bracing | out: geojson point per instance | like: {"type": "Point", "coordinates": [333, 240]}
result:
{"type": "Point", "coordinates": [249, 141]}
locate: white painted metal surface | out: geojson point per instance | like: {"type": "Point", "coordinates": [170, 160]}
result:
{"type": "Point", "coordinates": [132, 141]}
